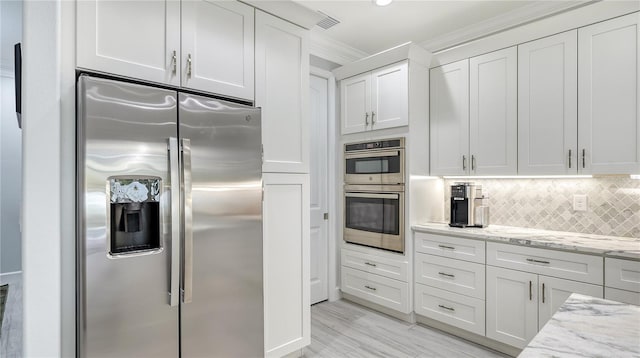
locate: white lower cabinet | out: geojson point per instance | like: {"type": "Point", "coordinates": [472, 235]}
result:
{"type": "Point", "coordinates": [286, 232]}
{"type": "Point", "coordinates": [622, 280]}
{"type": "Point", "coordinates": [384, 291]}
{"type": "Point", "coordinates": [624, 296]}
{"type": "Point", "coordinates": [466, 278]}
{"type": "Point", "coordinates": [520, 303]}
{"type": "Point", "coordinates": [457, 310]}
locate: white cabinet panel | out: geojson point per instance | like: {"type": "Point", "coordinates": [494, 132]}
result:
{"type": "Point", "coordinates": [622, 274]}
{"type": "Point", "coordinates": [493, 116]}
{"type": "Point", "coordinates": [286, 263]}
{"type": "Point", "coordinates": [355, 102]}
{"type": "Point", "coordinates": [466, 278]}
{"type": "Point", "coordinates": [449, 119]}
{"type": "Point", "coordinates": [217, 47]}
{"type": "Point", "coordinates": [390, 96]}
{"type": "Point", "coordinates": [615, 294]}
{"type": "Point", "coordinates": [130, 38]}
{"type": "Point", "coordinates": [608, 77]}
{"type": "Point", "coordinates": [554, 291]}
{"type": "Point", "coordinates": [547, 105]}
{"type": "Point", "coordinates": [450, 246]}
{"type": "Point", "coordinates": [384, 291]}
{"type": "Point", "coordinates": [512, 306]}
{"type": "Point", "coordinates": [457, 310]}
{"type": "Point", "coordinates": [282, 90]}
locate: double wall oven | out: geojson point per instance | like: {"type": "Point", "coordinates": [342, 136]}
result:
{"type": "Point", "coordinates": [374, 194]}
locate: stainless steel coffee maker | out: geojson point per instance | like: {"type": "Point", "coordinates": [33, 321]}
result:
{"type": "Point", "coordinates": [467, 206]}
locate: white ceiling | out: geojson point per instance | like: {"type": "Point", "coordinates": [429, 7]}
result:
{"type": "Point", "coordinates": [372, 29]}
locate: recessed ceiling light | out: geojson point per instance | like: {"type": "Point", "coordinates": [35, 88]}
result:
{"type": "Point", "coordinates": [382, 2]}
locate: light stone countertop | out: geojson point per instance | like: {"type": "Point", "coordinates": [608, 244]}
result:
{"type": "Point", "coordinates": [586, 326]}
{"type": "Point", "coordinates": [609, 246]}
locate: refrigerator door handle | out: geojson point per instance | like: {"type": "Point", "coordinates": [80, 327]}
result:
{"type": "Point", "coordinates": [188, 221]}
{"type": "Point", "coordinates": [174, 166]}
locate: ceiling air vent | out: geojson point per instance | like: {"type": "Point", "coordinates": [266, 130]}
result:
{"type": "Point", "coordinates": [327, 22]}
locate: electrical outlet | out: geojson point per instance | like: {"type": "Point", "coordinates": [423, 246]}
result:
{"type": "Point", "coordinates": [580, 202]}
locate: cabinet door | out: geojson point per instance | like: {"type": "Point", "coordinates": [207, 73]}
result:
{"type": "Point", "coordinates": [512, 306]}
{"type": "Point", "coordinates": [282, 90]}
{"type": "Point", "coordinates": [130, 38]}
{"type": "Point", "coordinates": [286, 263]}
{"type": "Point", "coordinates": [547, 105]}
{"type": "Point", "coordinates": [355, 102]}
{"type": "Point", "coordinates": [449, 119]}
{"type": "Point", "coordinates": [390, 96]}
{"type": "Point", "coordinates": [608, 127]}
{"type": "Point", "coordinates": [554, 291]}
{"type": "Point", "coordinates": [493, 115]}
{"type": "Point", "coordinates": [217, 47]}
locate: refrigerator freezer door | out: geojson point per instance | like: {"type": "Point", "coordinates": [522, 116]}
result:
{"type": "Point", "coordinates": [224, 317]}
{"type": "Point", "coordinates": [124, 304]}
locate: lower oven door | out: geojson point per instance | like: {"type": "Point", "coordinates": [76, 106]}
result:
{"type": "Point", "coordinates": [375, 219]}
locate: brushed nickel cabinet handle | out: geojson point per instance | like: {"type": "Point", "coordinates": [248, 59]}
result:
{"type": "Point", "coordinates": [584, 154]}
{"type": "Point", "coordinates": [189, 65]}
{"type": "Point", "coordinates": [447, 247]}
{"type": "Point", "coordinates": [473, 162]}
{"type": "Point", "coordinates": [569, 158]}
{"type": "Point", "coordinates": [370, 288]}
{"type": "Point", "coordinates": [539, 261]}
{"type": "Point", "coordinates": [373, 120]}
{"type": "Point", "coordinates": [464, 162]}
{"type": "Point", "coordinates": [174, 62]}
{"type": "Point", "coordinates": [543, 293]}
{"type": "Point", "coordinates": [446, 274]}
{"type": "Point", "coordinates": [370, 264]}
{"type": "Point", "coordinates": [447, 308]}
{"type": "Point", "coordinates": [530, 290]}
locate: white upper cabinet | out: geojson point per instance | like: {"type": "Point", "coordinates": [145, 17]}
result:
{"type": "Point", "coordinates": [282, 90]}
{"type": "Point", "coordinates": [608, 77]}
{"type": "Point", "coordinates": [139, 39]}
{"type": "Point", "coordinates": [390, 97]}
{"type": "Point", "coordinates": [356, 101]}
{"type": "Point", "coordinates": [449, 100]}
{"type": "Point", "coordinates": [217, 47]}
{"type": "Point", "coordinates": [376, 100]}
{"type": "Point", "coordinates": [493, 116]}
{"type": "Point", "coordinates": [547, 105]}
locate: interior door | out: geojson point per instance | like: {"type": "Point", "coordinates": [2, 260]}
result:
{"type": "Point", "coordinates": [319, 179]}
{"type": "Point", "coordinates": [222, 309]}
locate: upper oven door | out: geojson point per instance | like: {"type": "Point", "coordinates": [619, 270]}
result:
{"type": "Point", "coordinates": [375, 167]}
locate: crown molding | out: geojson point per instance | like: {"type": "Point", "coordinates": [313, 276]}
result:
{"type": "Point", "coordinates": [333, 50]}
{"type": "Point", "coordinates": [528, 13]}
{"type": "Point", "coordinates": [288, 10]}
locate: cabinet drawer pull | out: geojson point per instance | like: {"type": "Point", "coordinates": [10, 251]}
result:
{"type": "Point", "coordinates": [569, 158]}
{"type": "Point", "coordinates": [584, 154]}
{"type": "Point", "coordinates": [446, 247]}
{"type": "Point", "coordinates": [447, 308]}
{"type": "Point", "coordinates": [370, 288]}
{"type": "Point", "coordinates": [530, 290]}
{"type": "Point", "coordinates": [539, 261]}
{"type": "Point", "coordinates": [543, 293]}
{"type": "Point", "coordinates": [446, 274]}
{"type": "Point", "coordinates": [370, 264]}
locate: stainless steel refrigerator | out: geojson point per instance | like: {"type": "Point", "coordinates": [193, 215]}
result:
{"type": "Point", "coordinates": [169, 256]}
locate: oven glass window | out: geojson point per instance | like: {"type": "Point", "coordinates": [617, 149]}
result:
{"type": "Point", "coordinates": [373, 165]}
{"type": "Point", "coordinates": [373, 214]}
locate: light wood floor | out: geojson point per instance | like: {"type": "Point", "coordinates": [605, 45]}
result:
{"type": "Point", "coordinates": [11, 334]}
{"type": "Point", "coordinates": [345, 329]}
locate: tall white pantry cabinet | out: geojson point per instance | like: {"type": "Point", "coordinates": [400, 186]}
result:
{"type": "Point", "coordinates": [230, 49]}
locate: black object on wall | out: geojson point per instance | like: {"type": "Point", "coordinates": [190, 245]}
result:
{"type": "Point", "coordinates": [17, 55]}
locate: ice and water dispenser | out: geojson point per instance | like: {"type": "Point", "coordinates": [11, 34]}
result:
{"type": "Point", "coordinates": [134, 215]}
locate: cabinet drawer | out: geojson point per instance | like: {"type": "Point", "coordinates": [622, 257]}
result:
{"type": "Point", "coordinates": [457, 276]}
{"type": "Point", "coordinates": [623, 296]}
{"type": "Point", "coordinates": [451, 308]}
{"type": "Point", "coordinates": [622, 274]}
{"type": "Point", "coordinates": [377, 289]}
{"type": "Point", "coordinates": [577, 267]}
{"type": "Point", "coordinates": [382, 266]}
{"type": "Point", "coordinates": [450, 246]}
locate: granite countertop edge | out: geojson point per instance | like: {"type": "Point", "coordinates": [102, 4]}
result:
{"type": "Point", "coordinates": [617, 247]}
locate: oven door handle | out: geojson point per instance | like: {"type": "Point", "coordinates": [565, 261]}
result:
{"type": "Point", "coordinates": [377, 154]}
{"type": "Point", "coordinates": [372, 195]}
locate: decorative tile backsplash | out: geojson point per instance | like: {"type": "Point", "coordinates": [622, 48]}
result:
{"type": "Point", "coordinates": [613, 204]}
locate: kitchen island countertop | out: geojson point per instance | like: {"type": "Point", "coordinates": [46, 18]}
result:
{"type": "Point", "coordinates": [586, 326]}
{"type": "Point", "coordinates": [608, 246]}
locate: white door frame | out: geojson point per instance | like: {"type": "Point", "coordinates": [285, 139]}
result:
{"type": "Point", "coordinates": [332, 256]}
